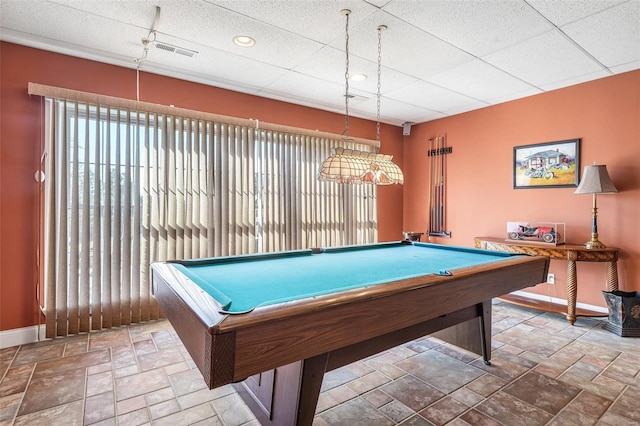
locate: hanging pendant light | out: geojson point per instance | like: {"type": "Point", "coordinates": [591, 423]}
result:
{"type": "Point", "coordinates": [342, 165]}
{"type": "Point", "coordinates": [354, 166]}
{"type": "Point", "coordinates": [382, 171]}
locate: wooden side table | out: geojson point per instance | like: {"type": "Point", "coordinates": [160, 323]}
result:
{"type": "Point", "coordinates": [568, 252]}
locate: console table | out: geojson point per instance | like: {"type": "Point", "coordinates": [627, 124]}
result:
{"type": "Point", "coordinates": [568, 252]}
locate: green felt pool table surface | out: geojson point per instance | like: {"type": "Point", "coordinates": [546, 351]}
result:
{"type": "Point", "coordinates": [242, 283]}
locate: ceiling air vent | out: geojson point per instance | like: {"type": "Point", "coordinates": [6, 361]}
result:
{"type": "Point", "coordinates": [175, 49]}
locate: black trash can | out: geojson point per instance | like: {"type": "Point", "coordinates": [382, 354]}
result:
{"type": "Point", "coordinates": [624, 312]}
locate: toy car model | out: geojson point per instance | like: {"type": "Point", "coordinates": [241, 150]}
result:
{"type": "Point", "coordinates": [544, 233]}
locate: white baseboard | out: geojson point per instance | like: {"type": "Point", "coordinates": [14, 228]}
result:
{"type": "Point", "coordinates": [21, 336]}
{"type": "Point", "coordinates": [557, 301]}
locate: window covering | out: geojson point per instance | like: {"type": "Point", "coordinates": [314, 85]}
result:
{"type": "Point", "coordinates": [125, 187]}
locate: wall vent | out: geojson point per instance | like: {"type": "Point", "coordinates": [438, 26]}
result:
{"type": "Point", "coordinates": [175, 49]}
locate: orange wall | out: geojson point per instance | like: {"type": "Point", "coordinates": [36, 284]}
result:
{"type": "Point", "coordinates": [604, 113]}
{"type": "Point", "coordinates": [20, 140]}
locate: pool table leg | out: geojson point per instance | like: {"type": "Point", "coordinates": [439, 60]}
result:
{"type": "Point", "coordinates": [485, 331]}
{"type": "Point", "coordinates": [288, 395]}
{"type": "Point", "coordinates": [313, 370]}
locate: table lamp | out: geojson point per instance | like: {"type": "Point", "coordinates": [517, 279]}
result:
{"type": "Point", "coordinates": [595, 180]}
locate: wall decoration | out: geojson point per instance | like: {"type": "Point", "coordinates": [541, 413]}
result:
{"type": "Point", "coordinates": [547, 165]}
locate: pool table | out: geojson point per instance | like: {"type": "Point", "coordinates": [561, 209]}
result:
{"type": "Point", "coordinates": [306, 312]}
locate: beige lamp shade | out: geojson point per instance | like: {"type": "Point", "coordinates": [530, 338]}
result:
{"type": "Point", "coordinates": [596, 180]}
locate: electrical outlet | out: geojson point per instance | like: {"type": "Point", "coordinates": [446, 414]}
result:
{"type": "Point", "coordinates": [551, 278]}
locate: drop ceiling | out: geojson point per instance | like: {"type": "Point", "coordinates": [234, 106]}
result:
{"type": "Point", "coordinates": [439, 57]}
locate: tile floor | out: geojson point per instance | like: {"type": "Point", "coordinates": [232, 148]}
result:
{"type": "Point", "coordinates": [544, 372]}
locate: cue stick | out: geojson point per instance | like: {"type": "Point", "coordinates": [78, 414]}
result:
{"type": "Point", "coordinates": [438, 185]}
{"type": "Point", "coordinates": [441, 185]}
{"type": "Point", "coordinates": [432, 184]}
{"type": "Point", "coordinates": [435, 186]}
{"type": "Point", "coordinates": [444, 184]}
{"type": "Point", "coordinates": [439, 224]}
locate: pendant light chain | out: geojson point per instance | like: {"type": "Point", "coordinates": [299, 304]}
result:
{"type": "Point", "coordinates": [346, 13]}
{"type": "Point", "coordinates": [352, 166]}
{"type": "Point", "coordinates": [380, 29]}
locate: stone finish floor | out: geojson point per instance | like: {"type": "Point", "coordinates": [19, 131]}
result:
{"type": "Point", "coordinates": [543, 372]}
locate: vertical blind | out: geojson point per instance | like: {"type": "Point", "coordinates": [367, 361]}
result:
{"type": "Point", "coordinates": [126, 187]}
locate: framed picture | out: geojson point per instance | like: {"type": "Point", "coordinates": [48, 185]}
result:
{"type": "Point", "coordinates": [547, 165]}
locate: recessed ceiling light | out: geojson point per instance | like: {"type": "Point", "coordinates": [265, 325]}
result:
{"type": "Point", "coordinates": [244, 41]}
{"type": "Point", "coordinates": [358, 77]}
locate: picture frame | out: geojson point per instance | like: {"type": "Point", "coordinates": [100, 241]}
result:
{"type": "Point", "coordinates": [547, 165]}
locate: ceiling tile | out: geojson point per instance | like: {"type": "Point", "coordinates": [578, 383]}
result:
{"type": "Point", "coordinates": [403, 48]}
{"type": "Point", "coordinates": [401, 112]}
{"type": "Point", "coordinates": [308, 89]}
{"type": "Point", "coordinates": [612, 45]}
{"type": "Point", "coordinates": [430, 96]}
{"type": "Point", "coordinates": [330, 64]}
{"type": "Point", "coordinates": [575, 80]}
{"type": "Point", "coordinates": [634, 65]}
{"type": "Point", "coordinates": [564, 12]}
{"type": "Point", "coordinates": [69, 28]}
{"type": "Point", "coordinates": [516, 95]}
{"type": "Point", "coordinates": [218, 67]}
{"type": "Point", "coordinates": [464, 108]}
{"type": "Point", "coordinates": [138, 13]}
{"type": "Point", "coordinates": [544, 60]}
{"type": "Point", "coordinates": [210, 25]}
{"type": "Point", "coordinates": [318, 20]}
{"type": "Point", "coordinates": [480, 81]}
{"type": "Point", "coordinates": [477, 27]}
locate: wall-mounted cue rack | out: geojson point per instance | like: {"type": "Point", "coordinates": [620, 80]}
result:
{"type": "Point", "coordinates": [438, 151]}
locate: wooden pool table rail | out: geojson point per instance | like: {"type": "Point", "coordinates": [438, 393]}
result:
{"type": "Point", "coordinates": [231, 348]}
